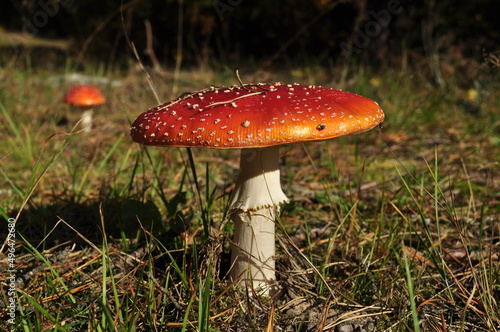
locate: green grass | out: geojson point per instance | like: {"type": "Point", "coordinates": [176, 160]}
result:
{"type": "Point", "coordinates": [395, 228]}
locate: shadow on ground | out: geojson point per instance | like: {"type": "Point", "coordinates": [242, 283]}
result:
{"type": "Point", "coordinates": [68, 221]}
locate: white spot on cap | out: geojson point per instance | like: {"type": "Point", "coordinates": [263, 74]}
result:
{"type": "Point", "coordinates": [246, 123]}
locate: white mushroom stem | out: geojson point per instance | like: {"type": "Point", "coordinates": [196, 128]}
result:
{"type": "Point", "coordinates": [86, 120]}
{"type": "Point", "coordinates": [253, 208]}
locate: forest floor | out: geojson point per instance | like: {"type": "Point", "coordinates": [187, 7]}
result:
{"type": "Point", "coordinates": [395, 229]}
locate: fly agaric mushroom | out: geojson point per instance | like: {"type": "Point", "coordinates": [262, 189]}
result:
{"type": "Point", "coordinates": [84, 97]}
{"type": "Point", "coordinates": [257, 119]}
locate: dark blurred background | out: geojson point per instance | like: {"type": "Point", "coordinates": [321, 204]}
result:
{"type": "Point", "coordinates": [266, 33]}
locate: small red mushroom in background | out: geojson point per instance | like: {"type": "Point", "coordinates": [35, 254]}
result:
{"type": "Point", "coordinates": [85, 98]}
{"type": "Point", "coordinates": [256, 119]}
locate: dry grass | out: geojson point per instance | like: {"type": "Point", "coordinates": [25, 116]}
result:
{"type": "Point", "coordinates": [396, 229]}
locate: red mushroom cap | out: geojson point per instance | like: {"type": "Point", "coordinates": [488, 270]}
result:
{"type": "Point", "coordinates": [253, 116]}
{"type": "Point", "coordinates": [84, 96]}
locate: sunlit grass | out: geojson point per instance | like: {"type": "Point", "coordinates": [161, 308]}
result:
{"type": "Point", "coordinates": [399, 225]}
